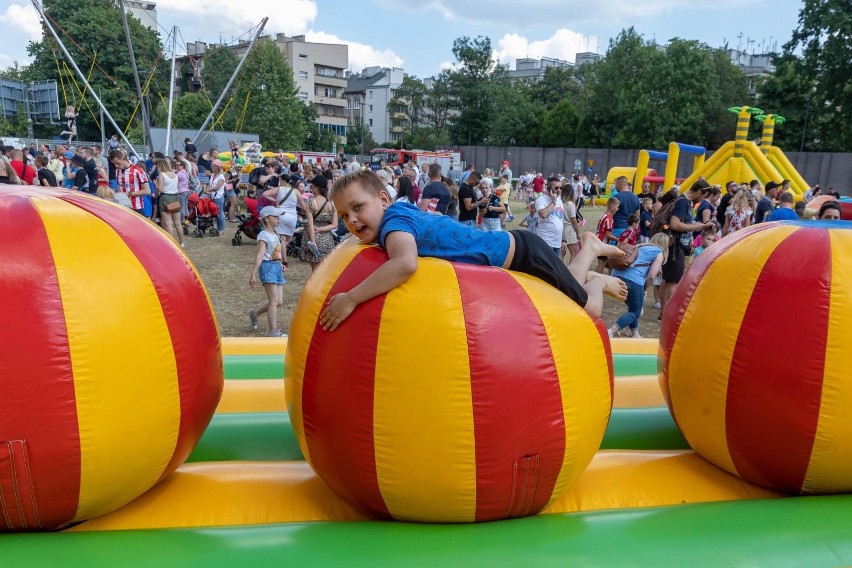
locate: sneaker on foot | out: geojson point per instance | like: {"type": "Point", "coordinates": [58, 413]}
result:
{"type": "Point", "coordinates": [511, 218]}
{"type": "Point", "coordinates": [253, 318]}
{"type": "Point", "coordinates": [657, 305]}
{"type": "Point", "coordinates": [610, 333]}
{"type": "Point", "coordinates": [275, 333]}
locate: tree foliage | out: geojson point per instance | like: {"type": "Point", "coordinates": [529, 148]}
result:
{"type": "Point", "coordinates": [824, 38]}
{"type": "Point", "coordinates": [355, 135]}
{"type": "Point", "coordinates": [316, 138]}
{"type": "Point", "coordinates": [267, 101]}
{"type": "Point", "coordinates": [219, 65]}
{"type": "Point", "coordinates": [472, 82]}
{"type": "Point", "coordinates": [189, 111]}
{"type": "Point", "coordinates": [94, 27]}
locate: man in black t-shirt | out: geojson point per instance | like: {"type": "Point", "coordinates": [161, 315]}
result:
{"type": "Point", "coordinates": [81, 179]}
{"type": "Point", "coordinates": [731, 189]}
{"type": "Point", "coordinates": [468, 203]}
{"type": "Point", "coordinates": [682, 226]}
{"type": "Point", "coordinates": [91, 168]}
{"type": "Point", "coordinates": [189, 147]}
{"type": "Point", "coordinates": [46, 177]}
{"type": "Point", "coordinates": [436, 195]}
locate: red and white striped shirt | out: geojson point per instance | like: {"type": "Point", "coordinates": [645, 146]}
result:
{"type": "Point", "coordinates": [132, 179]}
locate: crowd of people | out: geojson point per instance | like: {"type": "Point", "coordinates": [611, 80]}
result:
{"type": "Point", "coordinates": [659, 231]}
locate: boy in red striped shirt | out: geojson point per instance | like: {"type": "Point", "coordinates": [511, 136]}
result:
{"type": "Point", "coordinates": [132, 182]}
{"type": "Point", "coordinates": [605, 228]}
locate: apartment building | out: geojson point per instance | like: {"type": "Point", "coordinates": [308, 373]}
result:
{"type": "Point", "coordinates": [318, 72]}
{"type": "Point", "coordinates": [145, 12]}
{"type": "Point", "coordinates": [367, 96]}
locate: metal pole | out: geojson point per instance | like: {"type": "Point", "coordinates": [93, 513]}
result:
{"type": "Point", "coordinates": [103, 132]}
{"type": "Point", "coordinates": [171, 93]}
{"type": "Point", "coordinates": [362, 133]}
{"type": "Point", "coordinates": [146, 133]}
{"type": "Point", "coordinates": [196, 138]}
{"type": "Point", "coordinates": [82, 76]}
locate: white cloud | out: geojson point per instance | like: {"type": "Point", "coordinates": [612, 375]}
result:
{"type": "Point", "coordinates": [360, 55]}
{"type": "Point", "coordinates": [526, 14]}
{"type": "Point", "coordinates": [292, 18]}
{"type": "Point", "coordinates": [22, 17]}
{"type": "Point", "coordinates": [563, 44]}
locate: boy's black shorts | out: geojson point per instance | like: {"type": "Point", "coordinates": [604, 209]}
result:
{"type": "Point", "coordinates": [534, 257]}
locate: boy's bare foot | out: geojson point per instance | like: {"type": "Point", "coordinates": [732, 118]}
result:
{"type": "Point", "coordinates": [613, 287]}
{"type": "Point", "coordinates": [599, 247]}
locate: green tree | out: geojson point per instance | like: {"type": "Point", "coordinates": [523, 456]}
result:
{"type": "Point", "coordinates": [218, 65]}
{"type": "Point", "coordinates": [824, 38]}
{"type": "Point", "coordinates": [557, 84]}
{"type": "Point", "coordinates": [516, 116]}
{"type": "Point", "coordinates": [410, 100]}
{"type": "Point", "coordinates": [354, 136]}
{"type": "Point", "coordinates": [189, 111]}
{"type": "Point", "coordinates": [472, 83]}
{"type": "Point", "coordinates": [95, 27]}
{"type": "Point", "coordinates": [440, 102]}
{"type": "Point", "coordinates": [559, 125]}
{"type": "Point", "coordinates": [316, 138]}
{"type": "Point", "coordinates": [268, 95]}
{"type": "Point", "coordinates": [788, 92]}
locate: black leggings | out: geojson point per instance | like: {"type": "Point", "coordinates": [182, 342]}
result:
{"type": "Point", "coordinates": [534, 257]}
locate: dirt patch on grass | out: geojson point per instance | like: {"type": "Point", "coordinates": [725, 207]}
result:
{"type": "Point", "coordinates": [225, 270]}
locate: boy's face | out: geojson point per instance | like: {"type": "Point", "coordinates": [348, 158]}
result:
{"type": "Point", "coordinates": [612, 208]}
{"type": "Point", "coordinates": [362, 211]}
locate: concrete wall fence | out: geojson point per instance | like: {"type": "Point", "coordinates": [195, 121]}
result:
{"type": "Point", "coordinates": [824, 168]}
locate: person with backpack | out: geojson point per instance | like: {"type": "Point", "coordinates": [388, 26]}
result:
{"type": "Point", "coordinates": [675, 219]}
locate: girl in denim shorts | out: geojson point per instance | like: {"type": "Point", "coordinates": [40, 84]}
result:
{"type": "Point", "coordinates": [269, 265]}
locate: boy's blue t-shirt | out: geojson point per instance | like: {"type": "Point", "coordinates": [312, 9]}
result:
{"type": "Point", "coordinates": [783, 214]}
{"type": "Point", "coordinates": [440, 236]}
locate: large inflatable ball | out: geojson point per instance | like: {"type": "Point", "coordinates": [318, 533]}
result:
{"type": "Point", "coordinates": [755, 355]}
{"type": "Point", "coordinates": [466, 394]}
{"type": "Point", "coordinates": [111, 360]}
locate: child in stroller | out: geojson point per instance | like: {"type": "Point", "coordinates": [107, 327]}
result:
{"type": "Point", "coordinates": [202, 213]}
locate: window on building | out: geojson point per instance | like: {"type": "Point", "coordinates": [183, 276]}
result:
{"type": "Point", "coordinates": [303, 74]}
{"type": "Point", "coordinates": [338, 129]}
{"type": "Point", "coordinates": [371, 122]}
{"type": "Point", "coordinates": [371, 108]}
{"type": "Point", "coordinates": [348, 104]}
{"type": "Point", "coordinates": [369, 94]}
{"type": "Point", "coordinates": [357, 104]}
{"type": "Point", "coordinates": [303, 56]}
{"type": "Point", "coordinates": [329, 92]}
{"type": "Point", "coordinates": [303, 96]}
{"type": "Point", "coordinates": [396, 136]}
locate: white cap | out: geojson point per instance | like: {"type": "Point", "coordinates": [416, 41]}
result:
{"type": "Point", "coordinates": [269, 211]}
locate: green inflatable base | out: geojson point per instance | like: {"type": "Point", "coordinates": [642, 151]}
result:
{"type": "Point", "coordinates": [801, 531]}
{"type": "Point", "coordinates": [269, 436]}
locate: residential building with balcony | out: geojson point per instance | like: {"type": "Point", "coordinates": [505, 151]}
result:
{"type": "Point", "coordinates": [367, 96]}
{"type": "Point", "coordinates": [318, 72]}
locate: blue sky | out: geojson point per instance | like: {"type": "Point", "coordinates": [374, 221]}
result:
{"type": "Point", "coordinates": [418, 36]}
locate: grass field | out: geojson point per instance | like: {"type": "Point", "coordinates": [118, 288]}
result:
{"type": "Point", "coordinates": [225, 271]}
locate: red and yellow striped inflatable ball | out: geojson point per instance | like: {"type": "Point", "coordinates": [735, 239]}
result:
{"type": "Point", "coordinates": [111, 360]}
{"type": "Point", "coordinates": [755, 356]}
{"type": "Point", "coordinates": [466, 394]}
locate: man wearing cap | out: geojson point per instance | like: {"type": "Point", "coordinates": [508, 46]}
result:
{"type": "Point", "coordinates": [731, 189]}
{"type": "Point", "coordinates": [506, 171]}
{"type": "Point", "coordinates": [764, 206]}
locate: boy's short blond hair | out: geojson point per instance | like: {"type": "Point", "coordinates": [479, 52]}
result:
{"type": "Point", "coordinates": [612, 201]}
{"type": "Point", "coordinates": [367, 179]}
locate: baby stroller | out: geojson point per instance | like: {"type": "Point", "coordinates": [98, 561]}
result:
{"type": "Point", "coordinates": [249, 224]}
{"type": "Point", "coordinates": [294, 247]}
{"type": "Point", "coordinates": [202, 212]}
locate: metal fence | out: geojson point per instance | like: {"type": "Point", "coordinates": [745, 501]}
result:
{"type": "Point", "coordinates": [824, 168]}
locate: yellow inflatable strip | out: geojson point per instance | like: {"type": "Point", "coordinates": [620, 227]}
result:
{"type": "Point", "coordinates": [254, 345]}
{"type": "Point", "coordinates": [627, 346]}
{"type": "Point", "coordinates": [253, 395]}
{"type": "Point", "coordinates": [246, 493]}
{"type": "Point", "coordinates": [268, 395]}
{"type": "Point", "coordinates": [641, 391]}
{"type": "Point", "coordinates": [278, 345]}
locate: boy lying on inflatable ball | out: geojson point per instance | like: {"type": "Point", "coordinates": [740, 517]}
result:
{"type": "Point", "coordinates": [406, 232]}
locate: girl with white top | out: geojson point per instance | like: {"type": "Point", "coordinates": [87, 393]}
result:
{"type": "Point", "coordinates": [217, 192]}
{"type": "Point", "coordinates": [169, 203]}
{"type": "Point", "coordinates": [268, 264]}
